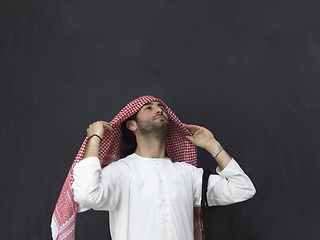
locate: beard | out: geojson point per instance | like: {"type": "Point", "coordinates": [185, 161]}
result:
{"type": "Point", "coordinates": [153, 129]}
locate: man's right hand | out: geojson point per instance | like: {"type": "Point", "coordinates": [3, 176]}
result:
{"type": "Point", "coordinates": [92, 149]}
{"type": "Point", "coordinates": [98, 128]}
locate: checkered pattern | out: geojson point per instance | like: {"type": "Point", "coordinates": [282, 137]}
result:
{"type": "Point", "coordinates": [178, 149]}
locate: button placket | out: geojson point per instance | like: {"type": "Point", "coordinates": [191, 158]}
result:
{"type": "Point", "coordinates": [166, 204]}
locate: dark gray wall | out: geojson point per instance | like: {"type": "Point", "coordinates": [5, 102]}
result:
{"type": "Point", "coordinates": [247, 70]}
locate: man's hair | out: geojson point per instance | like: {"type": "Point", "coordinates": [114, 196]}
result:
{"type": "Point", "coordinates": [128, 141]}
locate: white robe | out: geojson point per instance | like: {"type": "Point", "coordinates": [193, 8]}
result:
{"type": "Point", "coordinates": [154, 198]}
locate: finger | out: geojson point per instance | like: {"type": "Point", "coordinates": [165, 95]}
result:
{"type": "Point", "coordinates": [192, 128]}
{"type": "Point", "coordinates": [107, 125]}
{"type": "Point", "coordinates": [190, 138]}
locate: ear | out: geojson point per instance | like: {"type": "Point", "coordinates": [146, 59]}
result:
{"type": "Point", "coordinates": [131, 125]}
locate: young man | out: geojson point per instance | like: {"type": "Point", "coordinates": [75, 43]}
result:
{"type": "Point", "coordinates": [147, 194]}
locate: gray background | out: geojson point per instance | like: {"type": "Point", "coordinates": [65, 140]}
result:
{"type": "Point", "coordinates": [248, 70]}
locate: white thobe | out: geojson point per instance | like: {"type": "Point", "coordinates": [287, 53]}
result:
{"type": "Point", "coordinates": [153, 198]}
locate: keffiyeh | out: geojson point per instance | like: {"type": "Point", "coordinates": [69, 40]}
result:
{"type": "Point", "coordinates": [178, 149]}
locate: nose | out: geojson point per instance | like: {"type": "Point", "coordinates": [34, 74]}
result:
{"type": "Point", "coordinates": [159, 110]}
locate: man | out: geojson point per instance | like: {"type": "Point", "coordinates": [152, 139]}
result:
{"type": "Point", "coordinates": [141, 167]}
{"type": "Point", "coordinates": [149, 196]}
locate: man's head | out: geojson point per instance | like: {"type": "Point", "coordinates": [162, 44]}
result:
{"type": "Point", "coordinates": [151, 121]}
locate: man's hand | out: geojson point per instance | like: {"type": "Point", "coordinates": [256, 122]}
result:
{"type": "Point", "coordinates": [97, 128]}
{"type": "Point", "coordinates": [202, 137]}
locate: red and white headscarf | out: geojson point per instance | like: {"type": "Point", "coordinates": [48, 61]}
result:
{"type": "Point", "coordinates": [178, 149]}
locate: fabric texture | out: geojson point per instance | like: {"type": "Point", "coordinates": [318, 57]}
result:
{"type": "Point", "coordinates": [147, 198]}
{"type": "Point", "coordinates": [153, 198]}
{"type": "Point", "coordinates": [178, 149]}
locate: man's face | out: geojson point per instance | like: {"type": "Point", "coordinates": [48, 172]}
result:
{"type": "Point", "coordinates": [153, 119]}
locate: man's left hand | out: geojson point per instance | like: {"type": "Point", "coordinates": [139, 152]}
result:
{"type": "Point", "coordinates": [202, 137]}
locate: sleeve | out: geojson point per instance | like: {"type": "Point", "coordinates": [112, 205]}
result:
{"type": "Point", "coordinates": [230, 186]}
{"type": "Point", "coordinates": [97, 188]}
